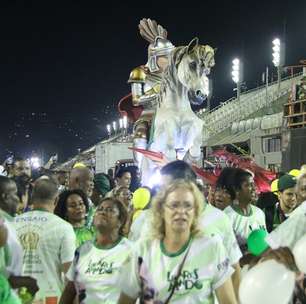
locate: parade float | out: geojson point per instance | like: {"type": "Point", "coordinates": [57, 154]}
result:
{"type": "Point", "coordinates": [163, 127]}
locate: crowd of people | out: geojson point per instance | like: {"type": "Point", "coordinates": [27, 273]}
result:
{"type": "Point", "coordinates": [79, 237]}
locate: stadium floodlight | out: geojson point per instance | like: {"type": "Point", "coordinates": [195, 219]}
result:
{"type": "Point", "coordinates": [120, 123]}
{"type": "Point", "coordinates": [109, 129]}
{"type": "Point", "coordinates": [236, 70]}
{"type": "Point", "coordinates": [125, 122]}
{"type": "Point", "coordinates": [276, 52]}
{"type": "Point", "coordinates": [278, 58]}
{"type": "Point", "coordinates": [237, 75]}
{"type": "Point", "coordinates": [115, 126]}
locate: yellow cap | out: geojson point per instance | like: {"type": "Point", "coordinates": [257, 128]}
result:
{"type": "Point", "coordinates": [274, 186]}
{"type": "Point", "coordinates": [79, 165]}
{"type": "Point", "coordinates": [295, 172]}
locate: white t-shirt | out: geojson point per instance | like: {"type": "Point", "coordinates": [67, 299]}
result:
{"type": "Point", "coordinates": [243, 225]}
{"type": "Point", "coordinates": [301, 209]}
{"type": "Point", "coordinates": [95, 272]}
{"type": "Point", "coordinates": [289, 232]}
{"type": "Point", "coordinates": [205, 269]}
{"type": "Point", "coordinates": [212, 221]}
{"type": "Point", "coordinates": [48, 242]}
{"type": "Point", "coordinates": [13, 248]}
{"type": "Point", "coordinates": [141, 226]}
{"type": "Point", "coordinates": [215, 222]}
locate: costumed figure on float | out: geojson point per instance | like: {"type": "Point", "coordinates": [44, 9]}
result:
{"type": "Point", "coordinates": [145, 80]}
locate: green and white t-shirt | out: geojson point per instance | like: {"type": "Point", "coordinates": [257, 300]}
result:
{"type": "Point", "coordinates": [12, 250]}
{"type": "Point", "coordinates": [212, 222]}
{"type": "Point", "coordinates": [288, 232]}
{"type": "Point", "coordinates": [48, 242]}
{"type": "Point", "coordinates": [150, 271]}
{"type": "Point", "coordinates": [141, 226]}
{"type": "Point", "coordinates": [215, 222]}
{"type": "Point", "coordinates": [95, 271]}
{"type": "Point", "coordinates": [243, 225]}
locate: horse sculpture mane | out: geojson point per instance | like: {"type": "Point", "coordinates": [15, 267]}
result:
{"type": "Point", "coordinates": [204, 53]}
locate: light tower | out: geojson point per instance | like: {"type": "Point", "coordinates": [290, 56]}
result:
{"type": "Point", "coordinates": [125, 124]}
{"type": "Point", "coordinates": [120, 123]}
{"type": "Point", "coordinates": [278, 55]}
{"type": "Point", "coordinates": [115, 126]}
{"type": "Point", "coordinates": [237, 75]}
{"type": "Point", "coordinates": [109, 130]}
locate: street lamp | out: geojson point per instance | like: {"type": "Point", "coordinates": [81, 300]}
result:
{"type": "Point", "coordinates": [115, 126]}
{"type": "Point", "coordinates": [236, 75]}
{"type": "Point", "coordinates": [278, 57]}
{"type": "Point", "coordinates": [120, 123]}
{"type": "Point", "coordinates": [125, 124]}
{"type": "Point", "coordinates": [109, 130]}
{"type": "Point", "coordinates": [276, 51]}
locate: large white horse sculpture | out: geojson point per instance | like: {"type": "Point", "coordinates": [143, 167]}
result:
{"type": "Point", "coordinates": [177, 131]}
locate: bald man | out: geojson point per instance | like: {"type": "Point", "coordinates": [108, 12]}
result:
{"type": "Point", "coordinates": [82, 178]}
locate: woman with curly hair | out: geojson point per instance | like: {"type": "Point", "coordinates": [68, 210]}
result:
{"type": "Point", "coordinates": [178, 263]}
{"type": "Point", "coordinates": [73, 207]}
{"type": "Point", "coordinates": [94, 274]}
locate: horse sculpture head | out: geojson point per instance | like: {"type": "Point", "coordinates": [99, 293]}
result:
{"type": "Point", "coordinates": [193, 64]}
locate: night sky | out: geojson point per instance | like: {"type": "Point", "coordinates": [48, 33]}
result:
{"type": "Point", "coordinates": [65, 66]}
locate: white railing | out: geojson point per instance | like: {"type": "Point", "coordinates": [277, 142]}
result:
{"type": "Point", "coordinates": [221, 117]}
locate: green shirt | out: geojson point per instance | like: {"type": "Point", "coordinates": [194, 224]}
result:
{"type": "Point", "coordinates": [90, 216]}
{"type": "Point", "coordinates": [82, 235]}
{"type": "Point", "coordinates": [6, 294]}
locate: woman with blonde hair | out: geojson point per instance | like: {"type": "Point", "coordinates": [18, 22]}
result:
{"type": "Point", "coordinates": [177, 263]}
